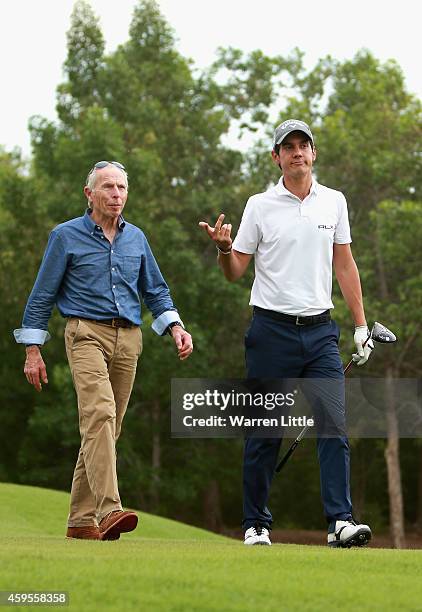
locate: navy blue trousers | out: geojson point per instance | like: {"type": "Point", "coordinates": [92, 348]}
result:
{"type": "Point", "coordinates": [278, 349]}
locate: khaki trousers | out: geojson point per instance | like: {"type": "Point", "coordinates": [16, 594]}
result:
{"type": "Point", "coordinates": [103, 362]}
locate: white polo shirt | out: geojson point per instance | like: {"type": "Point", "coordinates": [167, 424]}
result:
{"type": "Point", "coordinates": [292, 241]}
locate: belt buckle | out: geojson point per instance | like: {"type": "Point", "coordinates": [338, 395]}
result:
{"type": "Point", "coordinates": [113, 324]}
{"type": "Point", "coordinates": [297, 321]}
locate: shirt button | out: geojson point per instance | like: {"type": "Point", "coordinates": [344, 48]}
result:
{"type": "Point", "coordinates": [112, 251]}
{"type": "Point", "coordinates": [92, 233]}
{"type": "Point", "coordinates": [112, 269]}
{"type": "Point", "coordinates": [114, 286]}
{"type": "Point", "coordinates": [117, 304]}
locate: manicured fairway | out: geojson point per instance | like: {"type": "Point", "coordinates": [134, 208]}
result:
{"type": "Point", "coordinates": [166, 565]}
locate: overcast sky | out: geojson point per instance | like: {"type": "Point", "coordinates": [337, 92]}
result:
{"type": "Point", "coordinates": [33, 40]}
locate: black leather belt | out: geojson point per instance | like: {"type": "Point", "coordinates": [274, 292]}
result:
{"type": "Point", "coordinates": [117, 322]}
{"type": "Point", "coordinates": [323, 317]}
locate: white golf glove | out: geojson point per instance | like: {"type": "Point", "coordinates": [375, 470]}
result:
{"type": "Point", "coordinates": [363, 352]}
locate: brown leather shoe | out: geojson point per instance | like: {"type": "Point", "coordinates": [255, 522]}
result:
{"type": "Point", "coordinates": [117, 522]}
{"type": "Point", "coordinates": [84, 533]}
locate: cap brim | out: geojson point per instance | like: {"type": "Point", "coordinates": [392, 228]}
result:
{"type": "Point", "coordinates": [308, 134]}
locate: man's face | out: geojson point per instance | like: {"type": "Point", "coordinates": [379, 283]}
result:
{"type": "Point", "coordinates": [109, 195]}
{"type": "Point", "coordinates": [296, 155]}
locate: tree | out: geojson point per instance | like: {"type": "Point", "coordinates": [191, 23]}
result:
{"type": "Point", "coordinates": [22, 222]}
{"type": "Point", "coordinates": [83, 66]}
{"type": "Point", "coordinates": [398, 229]}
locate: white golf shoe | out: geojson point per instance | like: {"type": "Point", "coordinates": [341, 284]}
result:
{"type": "Point", "coordinates": [265, 537]}
{"type": "Point", "coordinates": [257, 535]}
{"type": "Point", "coordinates": [348, 533]}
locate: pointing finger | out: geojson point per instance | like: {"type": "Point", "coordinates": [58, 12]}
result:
{"type": "Point", "coordinates": [219, 222]}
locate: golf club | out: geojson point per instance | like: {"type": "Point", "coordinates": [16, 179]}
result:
{"type": "Point", "coordinates": [379, 333]}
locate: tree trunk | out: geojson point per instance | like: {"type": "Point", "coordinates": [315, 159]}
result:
{"type": "Point", "coordinates": [392, 458]}
{"type": "Point", "coordinates": [156, 456]}
{"type": "Point", "coordinates": [392, 449]}
{"type": "Point", "coordinates": [212, 507]}
{"type": "Point", "coordinates": [419, 497]}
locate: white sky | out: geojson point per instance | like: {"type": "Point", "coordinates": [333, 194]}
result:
{"type": "Point", "coordinates": [33, 40]}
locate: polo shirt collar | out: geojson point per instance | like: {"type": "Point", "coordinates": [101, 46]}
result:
{"type": "Point", "coordinates": [281, 189]}
{"type": "Point", "coordinates": [91, 226]}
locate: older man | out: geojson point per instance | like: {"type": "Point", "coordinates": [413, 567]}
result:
{"type": "Point", "coordinates": [95, 269]}
{"type": "Point", "coordinates": [296, 231]}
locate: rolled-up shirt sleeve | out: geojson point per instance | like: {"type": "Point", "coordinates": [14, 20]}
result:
{"type": "Point", "coordinates": [155, 292]}
{"type": "Point", "coordinates": [44, 293]}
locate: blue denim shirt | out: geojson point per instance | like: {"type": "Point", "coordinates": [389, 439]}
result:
{"type": "Point", "coordinates": [86, 276]}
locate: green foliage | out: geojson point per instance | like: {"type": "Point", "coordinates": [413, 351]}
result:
{"type": "Point", "coordinates": [21, 222]}
{"type": "Point", "coordinates": [252, 83]}
{"type": "Point", "coordinates": [83, 66]}
{"type": "Point", "coordinates": [398, 230]}
{"type": "Point", "coordinates": [368, 135]}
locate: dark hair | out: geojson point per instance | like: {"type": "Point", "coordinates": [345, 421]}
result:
{"type": "Point", "coordinates": [277, 147]}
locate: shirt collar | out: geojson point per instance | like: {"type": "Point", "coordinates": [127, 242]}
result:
{"type": "Point", "coordinates": [89, 223]}
{"type": "Point", "coordinates": [281, 189]}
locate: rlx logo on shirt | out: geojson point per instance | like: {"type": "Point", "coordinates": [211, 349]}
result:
{"type": "Point", "coordinates": [329, 227]}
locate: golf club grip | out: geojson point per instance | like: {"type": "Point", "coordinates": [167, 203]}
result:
{"type": "Point", "coordinates": [286, 456]}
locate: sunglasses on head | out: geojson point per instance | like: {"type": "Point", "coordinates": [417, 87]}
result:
{"type": "Point", "coordinates": [103, 164]}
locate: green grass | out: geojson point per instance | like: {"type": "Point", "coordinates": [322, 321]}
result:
{"type": "Point", "coordinates": [168, 566]}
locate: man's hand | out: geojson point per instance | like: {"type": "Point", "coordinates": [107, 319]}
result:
{"type": "Point", "coordinates": [232, 262]}
{"type": "Point", "coordinates": [220, 234]}
{"type": "Point", "coordinates": [183, 341]}
{"type": "Point", "coordinates": [35, 370]}
{"type": "Point", "coordinates": [363, 345]}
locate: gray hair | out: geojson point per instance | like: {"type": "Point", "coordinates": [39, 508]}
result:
{"type": "Point", "coordinates": [92, 177]}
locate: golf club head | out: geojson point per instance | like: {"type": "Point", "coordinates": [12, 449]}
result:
{"type": "Point", "coordinates": [382, 334]}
